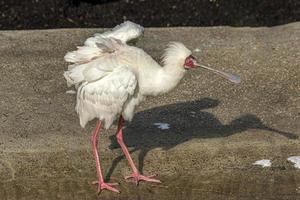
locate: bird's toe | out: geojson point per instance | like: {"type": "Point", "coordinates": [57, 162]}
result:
{"type": "Point", "coordinates": [137, 177]}
{"type": "Point", "coordinates": [106, 186]}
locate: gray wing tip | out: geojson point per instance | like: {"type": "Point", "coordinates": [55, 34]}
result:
{"type": "Point", "coordinates": [132, 24]}
{"type": "Point", "coordinates": [129, 25]}
{"type": "Point", "coordinates": [125, 31]}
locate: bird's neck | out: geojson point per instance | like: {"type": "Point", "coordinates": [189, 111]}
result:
{"type": "Point", "coordinates": [166, 79]}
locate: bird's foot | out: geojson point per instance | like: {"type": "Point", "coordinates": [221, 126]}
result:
{"type": "Point", "coordinates": [106, 186]}
{"type": "Point", "coordinates": [137, 177]}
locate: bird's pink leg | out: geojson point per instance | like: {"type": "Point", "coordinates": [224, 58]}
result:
{"type": "Point", "coordinates": [136, 176]}
{"type": "Point", "coordinates": [101, 184]}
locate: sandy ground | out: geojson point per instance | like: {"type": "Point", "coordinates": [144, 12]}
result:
{"type": "Point", "coordinates": [217, 129]}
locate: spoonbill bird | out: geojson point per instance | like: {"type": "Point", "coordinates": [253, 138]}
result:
{"type": "Point", "coordinates": [112, 78]}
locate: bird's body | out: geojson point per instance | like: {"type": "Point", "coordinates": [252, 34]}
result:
{"type": "Point", "coordinates": [112, 78]}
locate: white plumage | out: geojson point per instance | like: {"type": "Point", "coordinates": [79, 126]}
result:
{"type": "Point", "coordinates": [113, 77]}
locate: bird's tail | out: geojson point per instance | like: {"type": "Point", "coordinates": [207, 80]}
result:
{"type": "Point", "coordinates": [74, 75]}
{"type": "Point", "coordinates": [82, 54]}
{"type": "Point", "coordinates": [80, 59]}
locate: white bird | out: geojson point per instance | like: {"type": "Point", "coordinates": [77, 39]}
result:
{"type": "Point", "coordinates": [112, 78]}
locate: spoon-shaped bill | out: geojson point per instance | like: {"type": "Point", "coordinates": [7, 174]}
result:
{"type": "Point", "coordinates": [230, 77]}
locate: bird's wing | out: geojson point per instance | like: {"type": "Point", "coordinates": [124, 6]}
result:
{"type": "Point", "coordinates": [104, 97]}
{"type": "Point", "coordinates": [91, 63]}
{"type": "Point", "coordinates": [124, 32]}
{"type": "Point", "coordinates": [97, 50]}
{"type": "Point", "coordinates": [102, 47]}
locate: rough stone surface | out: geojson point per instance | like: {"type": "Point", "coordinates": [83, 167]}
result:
{"type": "Point", "coordinates": [217, 129]}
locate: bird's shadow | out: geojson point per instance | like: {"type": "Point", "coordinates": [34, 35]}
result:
{"type": "Point", "coordinates": [187, 121]}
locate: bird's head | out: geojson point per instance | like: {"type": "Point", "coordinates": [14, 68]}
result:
{"type": "Point", "coordinates": [178, 55]}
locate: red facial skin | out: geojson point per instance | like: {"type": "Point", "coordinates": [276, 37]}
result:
{"type": "Point", "coordinates": [190, 62]}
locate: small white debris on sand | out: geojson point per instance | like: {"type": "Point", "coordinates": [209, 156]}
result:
{"type": "Point", "coordinates": [193, 114]}
{"type": "Point", "coordinates": [162, 126]}
{"type": "Point", "coordinates": [71, 92]}
{"type": "Point", "coordinates": [295, 160]}
{"type": "Point", "coordinates": [263, 163]}
{"type": "Point", "coordinates": [197, 50]}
